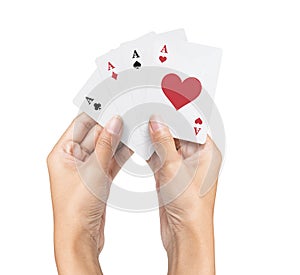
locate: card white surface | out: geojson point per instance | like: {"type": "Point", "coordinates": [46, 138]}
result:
{"type": "Point", "coordinates": [168, 50]}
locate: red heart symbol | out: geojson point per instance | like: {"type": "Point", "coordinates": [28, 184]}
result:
{"type": "Point", "coordinates": [162, 59]}
{"type": "Point", "coordinates": [198, 121]}
{"type": "Point", "coordinates": [180, 93]}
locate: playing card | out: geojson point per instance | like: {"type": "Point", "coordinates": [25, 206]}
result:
{"type": "Point", "coordinates": [201, 64]}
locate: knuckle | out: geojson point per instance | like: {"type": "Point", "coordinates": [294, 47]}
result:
{"type": "Point", "coordinates": [171, 166]}
{"type": "Point", "coordinates": [163, 138]}
{"type": "Point", "coordinates": [50, 157]}
{"type": "Point", "coordinates": [104, 142]}
{"type": "Point", "coordinates": [83, 124]}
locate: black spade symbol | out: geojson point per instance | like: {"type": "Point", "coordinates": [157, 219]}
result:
{"type": "Point", "coordinates": [97, 106]}
{"type": "Point", "coordinates": [137, 64]}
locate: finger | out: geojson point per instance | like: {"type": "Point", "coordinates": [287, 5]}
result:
{"type": "Point", "coordinates": [122, 154]}
{"type": "Point", "coordinates": [162, 139]}
{"type": "Point", "coordinates": [210, 142]}
{"type": "Point", "coordinates": [108, 141]}
{"type": "Point", "coordinates": [210, 160]}
{"type": "Point", "coordinates": [89, 142]}
{"type": "Point", "coordinates": [78, 129]}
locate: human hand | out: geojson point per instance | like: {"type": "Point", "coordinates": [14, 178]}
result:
{"type": "Point", "coordinates": [186, 177]}
{"type": "Point", "coordinates": [81, 167]}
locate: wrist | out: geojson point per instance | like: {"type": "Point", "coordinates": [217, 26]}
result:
{"type": "Point", "coordinates": [76, 254]}
{"type": "Point", "coordinates": [192, 252]}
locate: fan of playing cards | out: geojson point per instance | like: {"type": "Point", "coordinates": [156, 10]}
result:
{"type": "Point", "coordinates": [155, 74]}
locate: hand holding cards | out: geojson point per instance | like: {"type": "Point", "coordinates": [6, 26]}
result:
{"type": "Point", "coordinates": [155, 74]}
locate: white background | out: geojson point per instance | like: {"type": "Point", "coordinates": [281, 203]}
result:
{"type": "Point", "coordinates": [47, 52]}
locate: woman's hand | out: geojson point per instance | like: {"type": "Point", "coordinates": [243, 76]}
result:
{"type": "Point", "coordinates": [81, 167]}
{"type": "Point", "coordinates": [186, 176]}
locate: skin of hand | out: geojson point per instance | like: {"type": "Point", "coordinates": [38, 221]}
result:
{"type": "Point", "coordinates": [181, 169]}
{"type": "Point", "coordinates": [82, 163]}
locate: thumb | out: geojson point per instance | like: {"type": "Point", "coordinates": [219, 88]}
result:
{"type": "Point", "coordinates": [162, 139]}
{"type": "Point", "coordinates": [108, 141]}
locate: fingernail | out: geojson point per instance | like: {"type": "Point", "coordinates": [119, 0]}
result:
{"type": "Point", "coordinates": [114, 125]}
{"type": "Point", "coordinates": [156, 123]}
